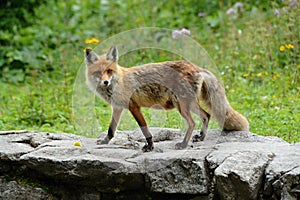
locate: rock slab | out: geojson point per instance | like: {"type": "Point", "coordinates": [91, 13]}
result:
{"type": "Point", "coordinates": [232, 165]}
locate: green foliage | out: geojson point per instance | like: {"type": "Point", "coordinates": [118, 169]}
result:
{"type": "Point", "coordinates": [17, 13]}
{"type": "Point", "coordinates": [42, 43]}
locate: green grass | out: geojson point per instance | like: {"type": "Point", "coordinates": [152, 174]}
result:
{"type": "Point", "coordinates": [39, 65]}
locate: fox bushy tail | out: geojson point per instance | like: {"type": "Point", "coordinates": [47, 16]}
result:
{"type": "Point", "coordinates": [213, 95]}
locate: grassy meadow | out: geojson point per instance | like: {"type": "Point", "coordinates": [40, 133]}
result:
{"type": "Point", "coordinates": [254, 45]}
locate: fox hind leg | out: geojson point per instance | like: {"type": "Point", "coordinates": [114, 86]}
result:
{"type": "Point", "coordinates": [205, 120]}
{"type": "Point", "coordinates": [184, 110]}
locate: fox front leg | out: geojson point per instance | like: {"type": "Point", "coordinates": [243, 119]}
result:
{"type": "Point", "coordinates": [116, 115]}
{"type": "Point", "coordinates": [138, 116]}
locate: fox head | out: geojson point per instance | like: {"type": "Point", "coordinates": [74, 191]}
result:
{"type": "Point", "coordinates": [101, 70]}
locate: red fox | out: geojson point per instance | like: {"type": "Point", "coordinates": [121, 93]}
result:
{"type": "Point", "coordinates": [164, 85]}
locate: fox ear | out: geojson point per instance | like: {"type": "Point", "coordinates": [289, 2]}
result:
{"type": "Point", "coordinates": [90, 56]}
{"type": "Point", "coordinates": [112, 54]}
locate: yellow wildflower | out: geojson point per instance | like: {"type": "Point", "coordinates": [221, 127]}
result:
{"type": "Point", "coordinates": [281, 48]}
{"type": "Point", "coordinates": [245, 75]}
{"type": "Point", "coordinates": [77, 144]}
{"type": "Point", "coordinates": [92, 41]}
{"type": "Point", "coordinates": [290, 46]}
{"type": "Point", "coordinates": [259, 74]}
{"type": "Point", "coordinates": [275, 76]}
{"type": "Point", "coordinates": [266, 73]}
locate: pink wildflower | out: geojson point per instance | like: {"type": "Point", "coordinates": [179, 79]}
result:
{"type": "Point", "coordinates": [200, 14]}
{"type": "Point", "coordinates": [238, 5]}
{"type": "Point", "coordinates": [176, 34]}
{"type": "Point", "coordinates": [230, 11]}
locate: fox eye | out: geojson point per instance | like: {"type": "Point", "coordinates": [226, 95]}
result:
{"type": "Point", "coordinates": [97, 73]}
{"type": "Point", "coordinates": [109, 71]}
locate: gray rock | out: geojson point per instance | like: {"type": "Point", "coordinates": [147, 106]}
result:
{"type": "Point", "coordinates": [181, 176]}
{"type": "Point", "coordinates": [12, 190]}
{"type": "Point", "coordinates": [232, 165]}
{"type": "Point", "coordinates": [240, 175]}
{"type": "Point", "coordinates": [283, 173]}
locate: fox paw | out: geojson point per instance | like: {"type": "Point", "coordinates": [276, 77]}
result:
{"type": "Point", "coordinates": [104, 141]}
{"type": "Point", "coordinates": [198, 138]}
{"type": "Point", "coordinates": [147, 148]}
{"type": "Point", "coordinates": [180, 145]}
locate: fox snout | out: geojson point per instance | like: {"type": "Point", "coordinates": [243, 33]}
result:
{"type": "Point", "coordinates": [103, 82]}
{"type": "Point", "coordinates": [106, 82]}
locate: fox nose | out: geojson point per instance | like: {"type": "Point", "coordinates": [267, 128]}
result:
{"type": "Point", "coordinates": [105, 83]}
